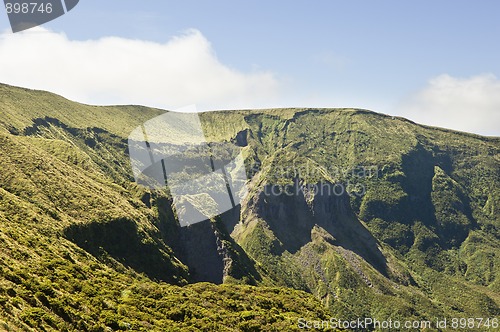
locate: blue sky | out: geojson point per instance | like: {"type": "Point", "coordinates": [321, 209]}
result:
{"type": "Point", "coordinates": [436, 62]}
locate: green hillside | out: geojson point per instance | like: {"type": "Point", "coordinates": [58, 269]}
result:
{"type": "Point", "coordinates": [407, 226]}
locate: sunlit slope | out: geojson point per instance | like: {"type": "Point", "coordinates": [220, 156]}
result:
{"type": "Point", "coordinates": [19, 107]}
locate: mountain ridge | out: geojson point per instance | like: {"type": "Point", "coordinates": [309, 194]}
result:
{"type": "Point", "coordinates": [158, 111]}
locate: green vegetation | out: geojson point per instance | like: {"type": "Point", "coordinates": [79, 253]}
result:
{"type": "Point", "coordinates": [83, 248]}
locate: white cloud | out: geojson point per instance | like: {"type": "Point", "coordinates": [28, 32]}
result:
{"type": "Point", "coordinates": [466, 104]}
{"type": "Point", "coordinates": [112, 70]}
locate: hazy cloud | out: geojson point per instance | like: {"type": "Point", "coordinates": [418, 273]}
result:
{"type": "Point", "coordinates": [112, 70]}
{"type": "Point", "coordinates": [466, 104]}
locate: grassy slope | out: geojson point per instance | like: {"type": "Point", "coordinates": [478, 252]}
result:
{"type": "Point", "coordinates": [439, 265]}
{"type": "Point", "coordinates": [54, 186]}
{"type": "Point", "coordinates": [20, 106]}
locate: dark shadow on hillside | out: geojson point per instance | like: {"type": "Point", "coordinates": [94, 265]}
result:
{"type": "Point", "coordinates": [418, 166]}
{"type": "Point", "coordinates": [121, 240]}
{"type": "Point", "coordinates": [206, 248]}
{"type": "Point", "coordinates": [292, 219]}
{"type": "Point", "coordinates": [198, 249]}
{"type": "Point", "coordinates": [211, 254]}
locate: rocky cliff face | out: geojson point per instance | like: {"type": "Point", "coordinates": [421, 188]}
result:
{"type": "Point", "coordinates": [292, 212]}
{"type": "Point", "coordinates": [205, 253]}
